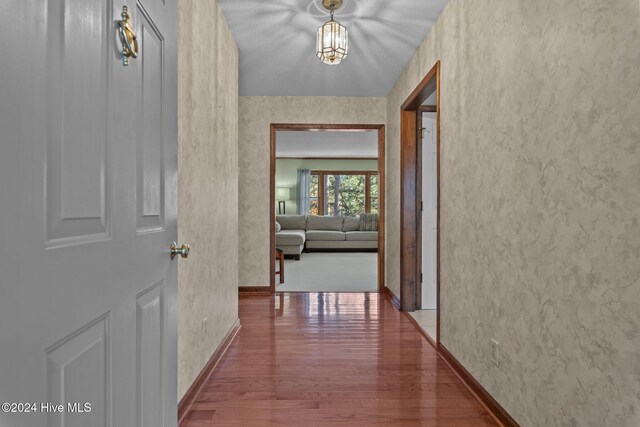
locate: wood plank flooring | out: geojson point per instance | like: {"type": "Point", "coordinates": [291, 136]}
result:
{"type": "Point", "coordinates": [331, 359]}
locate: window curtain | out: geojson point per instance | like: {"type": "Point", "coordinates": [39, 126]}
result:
{"type": "Point", "coordinates": [303, 198]}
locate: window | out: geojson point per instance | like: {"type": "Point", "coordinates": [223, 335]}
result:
{"type": "Point", "coordinates": [346, 193]}
{"type": "Point", "coordinates": [314, 200]}
{"type": "Point", "coordinates": [373, 191]}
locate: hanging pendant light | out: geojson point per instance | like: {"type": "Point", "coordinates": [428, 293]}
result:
{"type": "Point", "coordinates": [333, 39]}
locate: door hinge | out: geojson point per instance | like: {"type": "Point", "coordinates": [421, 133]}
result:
{"type": "Point", "coordinates": [421, 132]}
{"type": "Point", "coordinates": [421, 206]}
{"type": "Point", "coordinates": [420, 277]}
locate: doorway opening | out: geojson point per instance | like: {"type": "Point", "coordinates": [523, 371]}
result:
{"type": "Point", "coordinates": [327, 208]}
{"type": "Point", "coordinates": [420, 205]}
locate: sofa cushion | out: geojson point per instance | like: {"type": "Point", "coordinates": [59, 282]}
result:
{"type": "Point", "coordinates": [326, 235]}
{"type": "Point", "coordinates": [361, 235]}
{"type": "Point", "coordinates": [369, 222]}
{"type": "Point", "coordinates": [292, 222]}
{"type": "Point", "coordinates": [351, 223]}
{"type": "Point", "coordinates": [352, 244]}
{"type": "Point", "coordinates": [333, 223]}
{"type": "Point", "coordinates": [290, 237]}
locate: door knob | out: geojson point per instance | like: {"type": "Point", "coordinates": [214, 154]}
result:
{"type": "Point", "coordinates": [183, 250]}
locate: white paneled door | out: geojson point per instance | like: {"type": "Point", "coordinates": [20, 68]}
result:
{"type": "Point", "coordinates": [88, 310]}
{"type": "Point", "coordinates": [429, 213]}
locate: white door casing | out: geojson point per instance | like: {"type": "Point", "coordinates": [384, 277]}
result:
{"type": "Point", "coordinates": [429, 213]}
{"type": "Point", "coordinates": [88, 208]}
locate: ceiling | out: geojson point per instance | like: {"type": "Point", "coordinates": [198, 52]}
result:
{"type": "Point", "coordinates": [327, 144]}
{"type": "Point", "coordinates": [276, 40]}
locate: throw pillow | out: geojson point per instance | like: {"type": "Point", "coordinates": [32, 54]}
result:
{"type": "Point", "coordinates": [278, 227]}
{"type": "Point", "coordinates": [369, 222]}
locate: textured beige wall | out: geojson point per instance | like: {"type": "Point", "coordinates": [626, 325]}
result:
{"type": "Point", "coordinates": [540, 202]}
{"type": "Point", "coordinates": [208, 183]}
{"type": "Point", "coordinates": [256, 115]}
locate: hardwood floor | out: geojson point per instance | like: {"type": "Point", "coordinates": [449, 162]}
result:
{"type": "Point", "coordinates": [324, 359]}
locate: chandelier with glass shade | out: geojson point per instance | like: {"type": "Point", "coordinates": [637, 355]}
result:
{"type": "Point", "coordinates": [333, 39]}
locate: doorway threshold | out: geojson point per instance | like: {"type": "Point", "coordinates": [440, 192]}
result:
{"type": "Point", "coordinates": [425, 321]}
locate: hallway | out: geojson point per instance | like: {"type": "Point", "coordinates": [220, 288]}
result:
{"type": "Point", "coordinates": [313, 359]}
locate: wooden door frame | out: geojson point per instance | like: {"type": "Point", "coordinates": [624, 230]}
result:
{"type": "Point", "coordinates": [291, 127]}
{"type": "Point", "coordinates": [411, 189]}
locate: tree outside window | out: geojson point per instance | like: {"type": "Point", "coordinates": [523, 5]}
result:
{"type": "Point", "coordinates": [351, 195]}
{"type": "Point", "coordinates": [314, 202]}
{"type": "Point", "coordinates": [373, 179]}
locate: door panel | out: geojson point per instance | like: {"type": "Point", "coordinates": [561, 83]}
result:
{"type": "Point", "coordinates": [78, 372]}
{"type": "Point", "coordinates": [77, 120]}
{"type": "Point", "coordinates": [88, 208]}
{"type": "Point", "coordinates": [149, 315]}
{"type": "Point", "coordinates": [150, 186]}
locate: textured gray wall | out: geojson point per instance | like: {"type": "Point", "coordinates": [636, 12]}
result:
{"type": "Point", "coordinates": [540, 202]}
{"type": "Point", "coordinates": [207, 182]}
{"type": "Point", "coordinates": [256, 115]}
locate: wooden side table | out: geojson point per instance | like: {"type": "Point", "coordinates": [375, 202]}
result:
{"type": "Point", "coordinates": [280, 258]}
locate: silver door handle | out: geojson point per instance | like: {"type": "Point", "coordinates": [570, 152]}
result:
{"type": "Point", "coordinates": [183, 250]}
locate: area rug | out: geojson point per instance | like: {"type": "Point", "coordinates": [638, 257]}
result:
{"type": "Point", "coordinates": [331, 272]}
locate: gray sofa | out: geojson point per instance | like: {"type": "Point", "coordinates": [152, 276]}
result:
{"type": "Point", "coordinates": [322, 233]}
